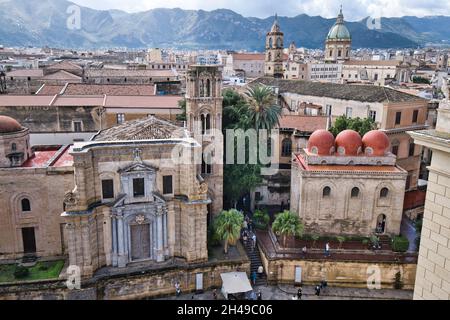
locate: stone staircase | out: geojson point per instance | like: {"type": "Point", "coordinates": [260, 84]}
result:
{"type": "Point", "coordinates": [385, 241]}
{"type": "Point", "coordinates": [255, 262]}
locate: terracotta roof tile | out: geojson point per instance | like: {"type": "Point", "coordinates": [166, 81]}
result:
{"type": "Point", "coordinates": [64, 65]}
{"type": "Point", "coordinates": [364, 93]}
{"type": "Point", "coordinates": [142, 129]}
{"type": "Point", "coordinates": [142, 101]}
{"type": "Point", "coordinates": [50, 90]}
{"type": "Point", "coordinates": [109, 89]}
{"type": "Point", "coordinates": [61, 75]}
{"type": "Point", "coordinates": [92, 73]}
{"type": "Point", "coordinates": [248, 56]}
{"type": "Point", "coordinates": [34, 73]}
{"type": "Point", "coordinates": [303, 123]}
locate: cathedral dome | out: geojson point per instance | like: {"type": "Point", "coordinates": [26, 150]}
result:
{"type": "Point", "coordinates": [376, 143]}
{"type": "Point", "coordinates": [348, 143]}
{"type": "Point", "coordinates": [321, 142]}
{"type": "Point", "coordinates": [8, 125]}
{"type": "Point", "coordinates": [339, 31]}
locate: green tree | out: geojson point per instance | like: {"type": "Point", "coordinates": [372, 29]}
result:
{"type": "Point", "coordinates": [264, 113]}
{"type": "Point", "coordinates": [182, 105]}
{"type": "Point", "coordinates": [261, 219]}
{"type": "Point", "coordinates": [227, 226]}
{"type": "Point", "coordinates": [235, 110]}
{"type": "Point", "coordinates": [362, 126]}
{"type": "Point", "coordinates": [238, 180]}
{"type": "Point", "coordinates": [287, 224]}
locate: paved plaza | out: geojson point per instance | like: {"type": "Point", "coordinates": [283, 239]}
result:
{"type": "Point", "coordinates": [285, 292]}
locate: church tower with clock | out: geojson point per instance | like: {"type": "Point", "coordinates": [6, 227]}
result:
{"type": "Point", "coordinates": [274, 51]}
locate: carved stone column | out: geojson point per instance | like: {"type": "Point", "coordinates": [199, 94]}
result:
{"type": "Point", "coordinates": [121, 257]}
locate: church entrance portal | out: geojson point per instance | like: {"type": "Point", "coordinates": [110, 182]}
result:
{"type": "Point", "coordinates": [140, 241]}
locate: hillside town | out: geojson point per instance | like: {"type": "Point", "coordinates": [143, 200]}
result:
{"type": "Point", "coordinates": [121, 173]}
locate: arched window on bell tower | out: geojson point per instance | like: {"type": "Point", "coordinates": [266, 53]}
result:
{"type": "Point", "coordinates": [270, 43]}
{"type": "Point", "coordinates": [279, 43]}
{"type": "Point", "coordinates": [206, 122]}
{"type": "Point", "coordinates": [208, 88]}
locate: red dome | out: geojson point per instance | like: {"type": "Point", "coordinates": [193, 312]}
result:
{"type": "Point", "coordinates": [348, 143]}
{"type": "Point", "coordinates": [8, 124]}
{"type": "Point", "coordinates": [321, 142]}
{"type": "Point", "coordinates": [376, 143]}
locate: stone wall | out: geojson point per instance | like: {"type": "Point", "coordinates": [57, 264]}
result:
{"type": "Point", "coordinates": [340, 213]}
{"type": "Point", "coordinates": [54, 118]}
{"type": "Point", "coordinates": [45, 188]}
{"type": "Point", "coordinates": [338, 273]}
{"type": "Point", "coordinates": [433, 270]}
{"type": "Point", "coordinates": [140, 285]}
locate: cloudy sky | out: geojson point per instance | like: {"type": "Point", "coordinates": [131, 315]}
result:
{"type": "Point", "coordinates": [353, 9]}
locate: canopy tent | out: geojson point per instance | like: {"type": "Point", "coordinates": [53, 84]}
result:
{"type": "Point", "coordinates": [235, 282]}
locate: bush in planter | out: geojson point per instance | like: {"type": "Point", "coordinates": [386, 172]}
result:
{"type": "Point", "coordinates": [400, 244]}
{"type": "Point", "coordinates": [261, 219]}
{"type": "Point", "coordinates": [21, 272]}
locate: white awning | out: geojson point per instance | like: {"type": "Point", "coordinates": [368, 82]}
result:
{"type": "Point", "coordinates": [235, 282]}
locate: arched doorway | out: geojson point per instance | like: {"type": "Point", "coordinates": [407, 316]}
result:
{"type": "Point", "coordinates": [381, 224]}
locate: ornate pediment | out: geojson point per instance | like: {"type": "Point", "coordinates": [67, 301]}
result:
{"type": "Point", "coordinates": [138, 167]}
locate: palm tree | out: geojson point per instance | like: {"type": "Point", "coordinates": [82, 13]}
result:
{"type": "Point", "coordinates": [287, 224]}
{"type": "Point", "coordinates": [263, 111]}
{"type": "Point", "coordinates": [228, 225]}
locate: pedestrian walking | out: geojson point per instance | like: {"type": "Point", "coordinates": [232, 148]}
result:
{"type": "Point", "coordinates": [304, 250]}
{"type": "Point", "coordinates": [215, 294]}
{"type": "Point", "coordinates": [254, 241]}
{"type": "Point", "coordinates": [177, 289]}
{"type": "Point", "coordinates": [259, 297]}
{"type": "Point", "coordinates": [245, 225]}
{"type": "Point", "coordinates": [245, 237]}
{"type": "Point", "coordinates": [327, 249]}
{"type": "Point", "coordinates": [254, 278]}
{"type": "Point", "coordinates": [250, 225]}
{"type": "Point", "coordinates": [260, 271]}
{"type": "Point", "coordinates": [299, 293]}
{"type": "Point", "coordinates": [317, 290]}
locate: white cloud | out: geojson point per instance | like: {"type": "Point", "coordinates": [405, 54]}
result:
{"type": "Point", "coordinates": [353, 9]}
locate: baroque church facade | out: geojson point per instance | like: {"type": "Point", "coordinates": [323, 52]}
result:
{"type": "Point", "coordinates": [137, 197]}
{"type": "Point", "coordinates": [146, 189]}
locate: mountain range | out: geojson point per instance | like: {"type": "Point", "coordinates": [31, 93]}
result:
{"type": "Point", "coordinates": [44, 23]}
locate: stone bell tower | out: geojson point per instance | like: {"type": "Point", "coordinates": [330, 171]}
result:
{"type": "Point", "coordinates": [204, 121]}
{"type": "Point", "coordinates": [273, 66]}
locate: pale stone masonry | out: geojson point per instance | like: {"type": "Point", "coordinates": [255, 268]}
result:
{"type": "Point", "coordinates": [433, 270]}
